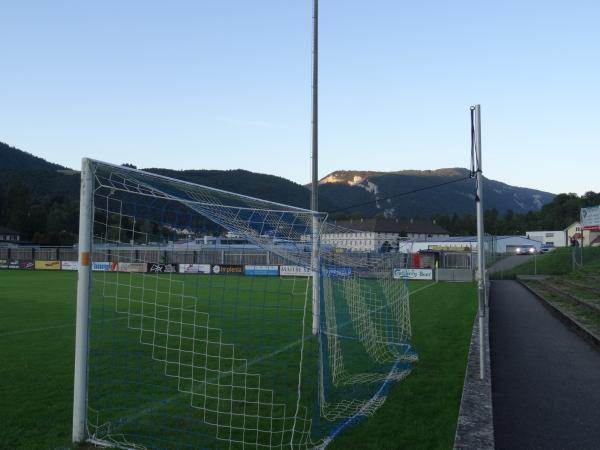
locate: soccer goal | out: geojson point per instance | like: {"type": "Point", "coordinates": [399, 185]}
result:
{"type": "Point", "coordinates": [197, 327]}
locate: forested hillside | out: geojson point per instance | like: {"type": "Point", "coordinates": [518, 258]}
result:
{"type": "Point", "coordinates": [40, 199]}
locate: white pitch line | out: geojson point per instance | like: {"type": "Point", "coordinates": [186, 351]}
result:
{"type": "Point", "coordinates": [422, 288]}
{"type": "Point", "coordinates": [54, 327]}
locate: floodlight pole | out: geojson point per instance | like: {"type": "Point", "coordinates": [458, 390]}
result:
{"type": "Point", "coordinates": [83, 303]}
{"type": "Point", "coordinates": [314, 199]}
{"type": "Point", "coordinates": [481, 283]}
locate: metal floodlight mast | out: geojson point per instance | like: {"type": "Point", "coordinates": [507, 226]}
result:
{"type": "Point", "coordinates": [481, 283]}
{"type": "Point", "coordinates": [314, 199]}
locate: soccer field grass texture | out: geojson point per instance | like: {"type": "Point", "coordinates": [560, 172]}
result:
{"type": "Point", "coordinates": [219, 350]}
{"type": "Point", "coordinates": [37, 351]}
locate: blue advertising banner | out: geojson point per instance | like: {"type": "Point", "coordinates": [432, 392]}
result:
{"type": "Point", "coordinates": [339, 271]}
{"type": "Point", "coordinates": [269, 271]}
{"type": "Point", "coordinates": [104, 266]}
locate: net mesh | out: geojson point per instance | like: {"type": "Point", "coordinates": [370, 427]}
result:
{"type": "Point", "coordinates": [201, 314]}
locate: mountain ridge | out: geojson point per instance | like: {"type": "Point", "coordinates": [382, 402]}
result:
{"type": "Point", "coordinates": [365, 193]}
{"type": "Point", "coordinates": [406, 193]}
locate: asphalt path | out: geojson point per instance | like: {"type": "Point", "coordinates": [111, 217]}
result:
{"type": "Point", "coordinates": [545, 378]}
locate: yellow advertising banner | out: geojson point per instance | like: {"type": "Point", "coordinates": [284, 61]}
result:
{"type": "Point", "coordinates": [47, 265]}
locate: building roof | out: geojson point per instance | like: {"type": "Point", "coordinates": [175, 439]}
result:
{"type": "Point", "coordinates": [393, 226]}
{"type": "Point", "coordinates": [472, 239]}
{"type": "Point", "coordinates": [4, 230]}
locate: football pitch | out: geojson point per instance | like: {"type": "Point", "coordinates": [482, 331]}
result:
{"type": "Point", "coordinates": [37, 315]}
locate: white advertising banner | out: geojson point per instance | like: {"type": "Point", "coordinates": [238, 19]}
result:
{"type": "Point", "coordinates": [132, 267]}
{"type": "Point", "coordinates": [590, 218]}
{"type": "Point", "coordinates": [194, 268]}
{"type": "Point", "coordinates": [69, 265]}
{"type": "Point", "coordinates": [294, 271]}
{"type": "Point", "coordinates": [413, 274]}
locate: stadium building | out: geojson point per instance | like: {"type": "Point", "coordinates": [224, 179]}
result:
{"type": "Point", "coordinates": [373, 235]}
{"type": "Point", "coordinates": [8, 235]}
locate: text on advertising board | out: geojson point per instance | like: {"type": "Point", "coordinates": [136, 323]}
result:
{"type": "Point", "coordinates": [294, 271]}
{"type": "Point", "coordinates": [271, 271]}
{"type": "Point", "coordinates": [194, 268]}
{"type": "Point", "coordinates": [590, 218]}
{"type": "Point", "coordinates": [227, 269]}
{"type": "Point", "coordinates": [413, 274]}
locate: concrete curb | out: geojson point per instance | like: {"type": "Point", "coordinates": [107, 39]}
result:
{"type": "Point", "coordinates": [475, 428]}
{"type": "Point", "coordinates": [564, 318]}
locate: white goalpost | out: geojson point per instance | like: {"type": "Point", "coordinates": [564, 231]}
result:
{"type": "Point", "coordinates": [198, 326]}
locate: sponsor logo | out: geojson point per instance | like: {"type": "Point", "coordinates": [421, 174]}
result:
{"type": "Point", "coordinates": [590, 218]}
{"type": "Point", "coordinates": [413, 274]}
{"type": "Point", "coordinates": [132, 267]}
{"type": "Point", "coordinates": [161, 268]}
{"type": "Point", "coordinates": [226, 269]}
{"type": "Point", "coordinates": [270, 271]}
{"type": "Point", "coordinates": [25, 265]}
{"type": "Point", "coordinates": [69, 265]}
{"type": "Point", "coordinates": [294, 271]}
{"type": "Point", "coordinates": [339, 271]}
{"type": "Point", "coordinates": [104, 266]}
{"type": "Point", "coordinates": [14, 264]}
{"type": "Point", "coordinates": [194, 268]}
{"type": "Point", "coordinates": [47, 265]}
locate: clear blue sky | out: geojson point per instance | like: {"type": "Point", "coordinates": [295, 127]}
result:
{"type": "Point", "coordinates": [226, 84]}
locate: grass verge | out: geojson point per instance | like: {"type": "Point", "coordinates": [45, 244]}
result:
{"type": "Point", "coordinates": [558, 262]}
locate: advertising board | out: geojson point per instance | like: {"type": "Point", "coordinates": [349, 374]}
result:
{"type": "Point", "coordinates": [268, 271]}
{"type": "Point", "coordinates": [194, 268]}
{"type": "Point", "coordinates": [339, 271]}
{"type": "Point", "coordinates": [590, 218]}
{"type": "Point", "coordinates": [413, 274]}
{"type": "Point", "coordinates": [3, 264]}
{"type": "Point", "coordinates": [69, 265]}
{"type": "Point", "coordinates": [104, 266]}
{"type": "Point", "coordinates": [132, 267]}
{"type": "Point", "coordinates": [161, 268]}
{"type": "Point", "coordinates": [294, 271]}
{"type": "Point", "coordinates": [14, 264]}
{"type": "Point", "coordinates": [23, 265]}
{"type": "Point", "coordinates": [47, 265]}
{"type": "Point", "coordinates": [227, 269]}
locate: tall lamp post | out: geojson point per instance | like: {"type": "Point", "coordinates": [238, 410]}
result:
{"type": "Point", "coordinates": [314, 199]}
{"type": "Point", "coordinates": [481, 283]}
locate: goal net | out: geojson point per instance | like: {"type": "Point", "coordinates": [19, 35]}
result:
{"type": "Point", "coordinates": [198, 326]}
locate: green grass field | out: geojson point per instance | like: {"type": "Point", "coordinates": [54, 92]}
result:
{"type": "Point", "coordinates": [557, 262]}
{"type": "Point", "coordinates": [37, 311]}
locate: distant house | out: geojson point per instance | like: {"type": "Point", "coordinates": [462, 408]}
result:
{"type": "Point", "coordinates": [372, 235]}
{"type": "Point", "coordinates": [8, 235]}
{"type": "Point", "coordinates": [575, 235]}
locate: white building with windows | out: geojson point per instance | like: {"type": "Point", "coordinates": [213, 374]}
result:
{"type": "Point", "coordinates": [556, 238]}
{"type": "Point", "coordinates": [8, 235]}
{"type": "Point", "coordinates": [373, 235]}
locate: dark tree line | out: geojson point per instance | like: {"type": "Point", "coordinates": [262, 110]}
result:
{"type": "Point", "coordinates": [52, 218]}
{"type": "Point", "coordinates": [561, 212]}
